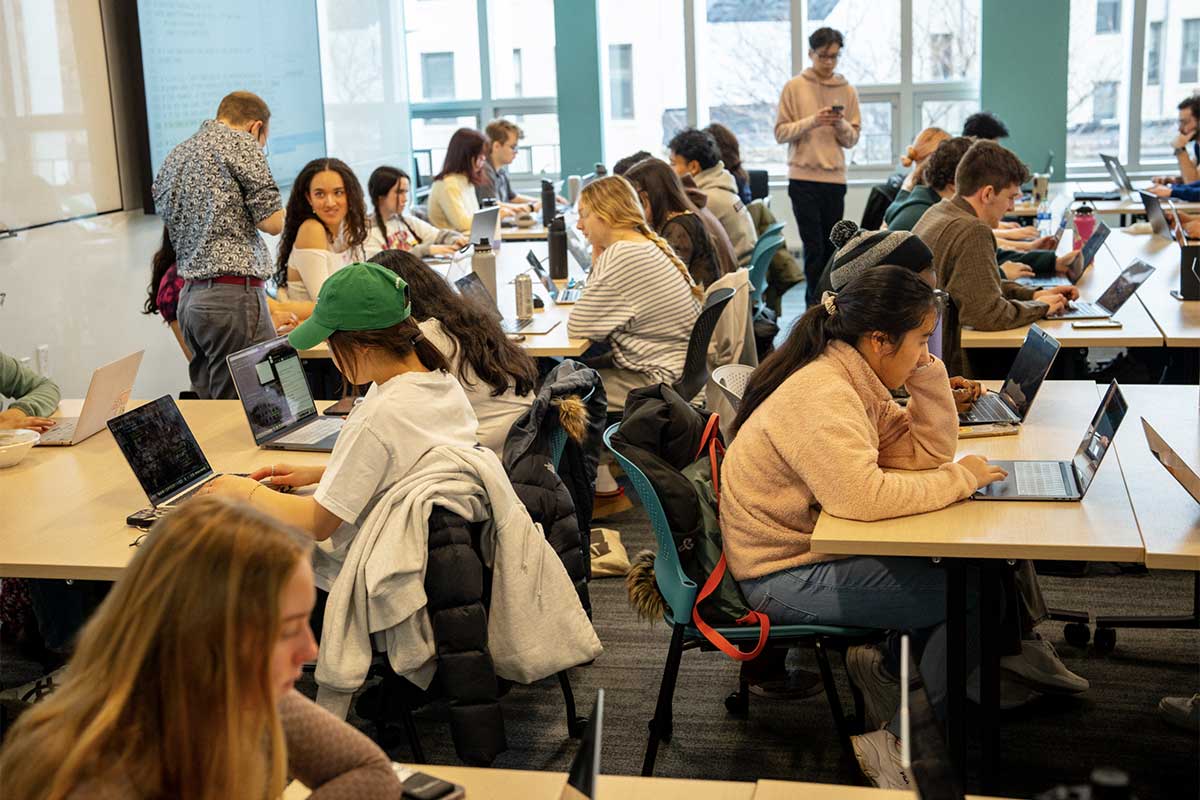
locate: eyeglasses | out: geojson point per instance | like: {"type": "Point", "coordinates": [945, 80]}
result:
{"type": "Point", "coordinates": [831, 57]}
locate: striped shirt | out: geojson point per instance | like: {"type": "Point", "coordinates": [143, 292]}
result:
{"type": "Point", "coordinates": [638, 301]}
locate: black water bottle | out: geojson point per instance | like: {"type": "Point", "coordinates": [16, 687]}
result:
{"type": "Point", "coordinates": [558, 249]}
{"type": "Point", "coordinates": [548, 199]}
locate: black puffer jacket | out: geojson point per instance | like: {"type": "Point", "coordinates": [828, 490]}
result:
{"type": "Point", "coordinates": [561, 501]}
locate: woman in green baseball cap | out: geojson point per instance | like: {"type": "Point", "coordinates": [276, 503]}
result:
{"type": "Point", "coordinates": [413, 404]}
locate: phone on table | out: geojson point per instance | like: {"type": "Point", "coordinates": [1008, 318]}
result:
{"type": "Point", "coordinates": [420, 786]}
{"type": "Point", "coordinates": [1096, 323]}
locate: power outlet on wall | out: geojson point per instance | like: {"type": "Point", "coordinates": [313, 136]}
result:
{"type": "Point", "coordinates": [43, 360]}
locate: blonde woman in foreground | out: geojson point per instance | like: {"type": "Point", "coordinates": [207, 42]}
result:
{"type": "Point", "coordinates": [182, 683]}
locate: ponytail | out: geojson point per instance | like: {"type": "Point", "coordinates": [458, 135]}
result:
{"type": "Point", "coordinates": [667, 251]}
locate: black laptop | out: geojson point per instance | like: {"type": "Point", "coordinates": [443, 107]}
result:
{"type": "Point", "coordinates": [1011, 404]}
{"type": "Point", "coordinates": [1087, 254]}
{"type": "Point", "coordinates": [471, 287]}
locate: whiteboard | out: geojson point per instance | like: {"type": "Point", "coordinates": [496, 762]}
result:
{"type": "Point", "coordinates": [58, 152]}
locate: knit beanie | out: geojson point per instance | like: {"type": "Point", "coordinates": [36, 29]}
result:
{"type": "Point", "coordinates": [859, 250]}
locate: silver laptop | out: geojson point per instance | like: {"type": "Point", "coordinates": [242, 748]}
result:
{"type": "Point", "coordinates": [1156, 217]}
{"type": "Point", "coordinates": [1118, 174]}
{"type": "Point", "coordinates": [270, 381]}
{"type": "Point", "coordinates": [1062, 480]}
{"type": "Point", "coordinates": [1171, 461]}
{"type": "Point", "coordinates": [1087, 254]}
{"type": "Point", "coordinates": [107, 396]}
{"type": "Point", "coordinates": [1011, 404]}
{"type": "Point", "coordinates": [483, 226]}
{"type": "Point", "coordinates": [564, 296]}
{"type": "Point", "coordinates": [471, 287]}
{"type": "Point", "coordinates": [1116, 295]}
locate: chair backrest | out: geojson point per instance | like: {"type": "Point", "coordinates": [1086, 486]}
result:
{"type": "Point", "coordinates": [676, 587]}
{"type": "Point", "coordinates": [695, 364]}
{"type": "Point", "coordinates": [760, 262]}
{"type": "Point", "coordinates": [731, 380]}
{"type": "Point", "coordinates": [771, 230]}
{"type": "Point", "coordinates": [759, 183]}
{"type": "Point", "coordinates": [878, 200]}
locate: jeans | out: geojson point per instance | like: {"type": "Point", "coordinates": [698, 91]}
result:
{"type": "Point", "coordinates": [217, 320]}
{"type": "Point", "coordinates": [905, 595]}
{"type": "Point", "coordinates": [817, 207]}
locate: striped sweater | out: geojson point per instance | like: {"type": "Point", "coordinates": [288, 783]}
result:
{"type": "Point", "coordinates": [639, 303]}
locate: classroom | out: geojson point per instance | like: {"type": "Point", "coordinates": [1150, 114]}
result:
{"type": "Point", "coordinates": [600, 399]}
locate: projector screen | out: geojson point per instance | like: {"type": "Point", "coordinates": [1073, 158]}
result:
{"type": "Point", "coordinates": [194, 52]}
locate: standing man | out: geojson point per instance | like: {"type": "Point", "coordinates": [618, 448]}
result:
{"type": "Point", "coordinates": [502, 151]}
{"type": "Point", "coordinates": [818, 119]}
{"type": "Point", "coordinates": [215, 193]}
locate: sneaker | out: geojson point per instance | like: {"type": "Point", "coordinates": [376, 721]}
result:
{"type": "Point", "coordinates": [1040, 667]}
{"type": "Point", "coordinates": [1182, 712]}
{"type": "Point", "coordinates": [799, 684]}
{"type": "Point", "coordinates": [878, 754]}
{"type": "Point", "coordinates": [881, 691]}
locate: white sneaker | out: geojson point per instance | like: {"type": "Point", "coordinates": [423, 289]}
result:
{"type": "Point", "coordinates": [881, 691]}
{"type": "Point", "coordinates": [1039, 666]}
{"type": "Point", "coordinates": [878, 754]}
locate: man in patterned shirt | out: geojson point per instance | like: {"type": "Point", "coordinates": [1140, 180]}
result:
{"type": "Point", "coordinates": [215, 193]}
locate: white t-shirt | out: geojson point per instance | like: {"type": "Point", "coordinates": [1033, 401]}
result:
{"type": "Point", "coordinates": [495, 414]}
{"type": "Point", "coordinates": [386, 434]}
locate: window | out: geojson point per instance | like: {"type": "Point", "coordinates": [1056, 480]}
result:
{"type": "Point", "coordinates": [429, 139]}
{"type": "Point", "coordinates": [524, 29]}
{"type": "Point", "coordinates": [941, 50]}
{"type": "Point", "coordinates": [1104, 101]}
{"type": "Point", "coordinates": [620, 81]}
{"type": "Point", "coordinates": [1154, 54]}
{"type": "Point", "coordinates": [518, 73]}
{"type": "Point", "coordinates": [949, 115]}
{"type": "Point", "coordinates": [537, 152]}
{"type": "Point", "coordinates": [1171, 35]}
{"type": "Point", "coordinates": [1190, 55]}
{"type": "Point", "coordinates": [1108, 16]}
{"type": "Point", "coordinates": [1097, 70]}
{"type": "Point", "coordinates": [437, 76]}
{"type": "Point", "coordinates": [875, 140]}
{"type": "Point", "coordinates": [946, 38]}
{"type": "Point", "coordinates": [872, 31]}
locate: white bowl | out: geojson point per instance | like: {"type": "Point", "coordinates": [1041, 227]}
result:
{"type": "Point", "coordinates": [14, 444]}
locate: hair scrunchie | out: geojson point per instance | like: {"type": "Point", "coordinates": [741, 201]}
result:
{"type": "Point", "coordinates": [827, 300]}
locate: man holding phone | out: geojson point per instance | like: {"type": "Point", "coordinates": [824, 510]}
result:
{"type": "Point", "coordinates": [818, 119]}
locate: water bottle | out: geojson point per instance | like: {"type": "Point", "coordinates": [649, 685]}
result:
{"type": "Point", "coordinates": [524, 288]}
{"type": "Point", "coordinates": [549, 197]}
{"type": "Point", "coordinates": [1045, 223]}
{"type": "Point", "coordinates": [558, 249]}
{"type": "Point", "coordinates": [483, 264]}
{"type": "Point", "coordinates": [601, 170]}
{"type": "Point", "coordinates": [574, 183]}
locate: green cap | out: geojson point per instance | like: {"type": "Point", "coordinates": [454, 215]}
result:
{"type": "Point", "coordinates": [358, 297]}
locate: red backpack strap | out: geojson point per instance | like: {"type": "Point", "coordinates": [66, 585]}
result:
{"type": "Point", "coordinates": [713, 636]}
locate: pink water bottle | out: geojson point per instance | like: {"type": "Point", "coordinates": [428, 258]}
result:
{"type": "Point", "coordinates": [1085, 223]}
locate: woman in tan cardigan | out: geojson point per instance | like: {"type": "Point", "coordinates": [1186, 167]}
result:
{"type": "Point", "coordinates": [815, 431]}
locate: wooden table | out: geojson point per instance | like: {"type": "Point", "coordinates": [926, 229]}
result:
{"type": "Point", "coordinates": [65, 507]}
{"type": "Point", "coordinates": [534, 233]}
{"type": "Point", "coordinates": [1177, 320]}
{"type": "Point", "coordinates": [791, 790]}
{"type": "Point", "coordinates": [510, 261]}
{"type": "Point", "coordinates": [1123, 207]}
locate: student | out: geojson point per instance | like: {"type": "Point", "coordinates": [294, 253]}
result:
{"type": "Point", "coordinates": [412, 405]}
{"type": "Point", "coordinates": [816, 430]}
{"type": "Point", "coordinates": [731, 156]}
{"type": "Point", "coordinates": [695, 153]}
{"type": "Point", "coordinates": [34, 398]}
{"type": "Point", "coordinates": [818, 119]}
{"type": "Point", "coordinates": [215, 193]}
{"type": "Point", "coordinates": [917, 156]}
{"type": "Point", "coordinates": [393, 229]}
{"type": "Point", "coordinates": [640, 303]}
{"type": "Point", "coordinates": [502, 150]}
{"type": "Point", "coordinates": [325, 229]}
{"type": "Point", "coordinates": [674, 218]}
{"type": "Point", "coordinates": [625, 164]}
{"type": "Point", "coordinates": [959, 232]}
{"type": "Point", "coordinates": [496, 374]}
{"type": "Point", "coordinates": [452, 200]}
{"type": "Point", "coordinates": [1189, 124]}
{"type": "Point", "coordinates": [182, 684]}
{"type": "Point", "coordinates": [984, 125]}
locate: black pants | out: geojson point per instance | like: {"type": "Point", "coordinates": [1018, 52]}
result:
{"type": "Point", "coordinates": [817, 206]}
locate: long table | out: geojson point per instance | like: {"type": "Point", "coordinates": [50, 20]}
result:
{"type": "Point", "coordinates": [1127, 206]}
{"type": "Point", "coordinates": [1177, 320]}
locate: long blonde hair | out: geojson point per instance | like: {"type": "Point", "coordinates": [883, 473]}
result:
{"type": "Point", "coordinates": [169, 691]}
{"type": "Point", "coordinates": [921, 149]}
{"type": "Point", "coordinates": [614, 200]}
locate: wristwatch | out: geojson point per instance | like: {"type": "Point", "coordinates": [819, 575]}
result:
{"type": "Point", "coordinates": [1180, 150]}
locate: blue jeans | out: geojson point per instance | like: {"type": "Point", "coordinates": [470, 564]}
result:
{"type": "Point", "coordinates": [903, 595]}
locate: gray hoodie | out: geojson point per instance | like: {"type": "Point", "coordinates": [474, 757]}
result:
{"type": "Point", "coordinates": [719, 185]}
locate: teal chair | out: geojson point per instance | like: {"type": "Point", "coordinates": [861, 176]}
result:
{"type": "Point", "coordinates": [760, 261]}
{"type": "Point", "coordinates": [771, 230]}
{"type": "Point", "coordinates": [680, 591]}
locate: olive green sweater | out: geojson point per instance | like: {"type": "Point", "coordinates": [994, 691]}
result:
{"type": "Point", "coordinates": [30, 392]}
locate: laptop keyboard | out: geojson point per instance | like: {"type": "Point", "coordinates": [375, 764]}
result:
{"type": "Point", "coordinates": [1039, 479]}
{"type": "Point", "coordinates": [989, 407]}
{"type": "Point", "coordinates": [569, 295]}
{"type": "Point", "coordinates": [1082, 308]}
{"type": "Point", "coordinates": [313, 432]}
{"type": "Point", "coordinates": [62, 432]}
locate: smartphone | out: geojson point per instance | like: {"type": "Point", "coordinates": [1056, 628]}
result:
{"type": "Point", "coordinates": [1096, 323]}
{"type": "Point", "coordinates": [420, 786]}
{"type": "Point", "coordinates": [837, 109]}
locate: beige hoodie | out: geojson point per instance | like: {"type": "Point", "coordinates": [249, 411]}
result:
{"type": "Point", "coordinates": [815, 151]}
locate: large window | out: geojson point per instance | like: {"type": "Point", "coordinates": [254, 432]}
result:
{"type": "Point", "coordinates": [1191, 51]}
{"type": "Point", "coordinates": [1154, 53]}
{"type": "Point", "coordinates": [1097, 70]}
{"type": "Point", "coordinates": [437, 76]}
{"type": "Point", "coordinates": [1108, 16]}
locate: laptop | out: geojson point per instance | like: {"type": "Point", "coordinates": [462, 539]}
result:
{"type": "Point", "coordinates": [1171, 461]}
{"type": "Point", "coordinates": [1156, 217]}
{"type": "Point", "coordinates": [923, 751]}
{"type": "Point", "coordinates": [1118, 175]}
{"type": "Point", "coordinates": [1087, 254]}
{"type": "Point", "coordinates": [1062, 480]}
{"type": "Point", "coordinates": [585, 767]}
{"type": "Point", "coordinates": [107, 396]}
{"type": "Point", "coordinates": [1116, 295]}
{"type": "Point", "coordinates": [270, 382]}
{"type": "Point", "coordinates": [471, 287]}
{"type": "Point", "coordinates": [1011, 404]}
{"type": "Point", "coordinates": [162, 452]}
{"type": "Point", "coordinates": [579, 248]}
{"type": "Point", "coordinates": [563, 297]}
{"type": "Point", "coordinates": [483, 226]}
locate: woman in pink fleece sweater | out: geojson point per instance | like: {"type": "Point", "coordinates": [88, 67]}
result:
{"type": "Point", "coordinates": [816, 428]}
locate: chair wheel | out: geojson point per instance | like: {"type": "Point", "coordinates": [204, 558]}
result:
{"type": "Point", "coordinates": [1105, 641]}
{"type": "Point", "coordinates": [576, 727]}
{"type": "Point", "coordinates": [1078, 634]}
{"type": "Point", "coordinates": [738, 705]}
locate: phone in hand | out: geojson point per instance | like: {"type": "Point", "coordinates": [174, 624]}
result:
{"type": "Point", "coordinates": [837, 109]}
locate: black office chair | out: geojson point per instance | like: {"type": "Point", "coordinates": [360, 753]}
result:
{"type": "Point", "coordinates": [695, 365]}
{"type": "Point", "coordinates": [882, 195]}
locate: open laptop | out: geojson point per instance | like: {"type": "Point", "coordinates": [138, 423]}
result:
{"type": "Point", "coordinates": [270, 381]}
{"type": "Point", "coordinates": [1171, 461]}
{"type": "Point", "coordinates": [1011, 404]}
{"type": "Point", "coordinates": [1116, 295]}
{"type": "Point", "coordinates": [585, 767]}
{"type": "Point", "coordinates": [564, 296]}
{"type": "Point", "coordinates": [471, 287]}
{"type": "Point", "coordinates": [107, 396]}
{"type": "Point", "coordinates": [1156, 217]}
{"type": "Point", "coordinates": [483, 226]}
{"type": "Point", "coordinates": [1118, 175]}
{"type": "Point", "coordinates": [923, 748]}
{"type": "Point", "coordinates": [1087, 254]}
{"type": "Point", "coordinates": [1062, 480]}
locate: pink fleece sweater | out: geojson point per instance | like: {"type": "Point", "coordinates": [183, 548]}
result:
{"type": "Point", "coordinates": [821, 442]}
{"type": "Point", "coordinates": [816, 152]}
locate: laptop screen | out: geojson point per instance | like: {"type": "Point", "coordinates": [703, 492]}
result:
{"type": "Point", "coordinates": [1029, 370]}
{"type": "Point", "coordinates": [471, 287]}
{"type": "Point", "coordinates": [270, 381]}
{"type": "Point", "coordinates": [1124, 286]}
{"type": "Point", "coordinates": [1099, 436]}
{"type": "Point", "coordinates": [1117, 173]}
{"type": "Point", "coordinates": [160, 448]}
{"type": "Point", "coordinates": [1154, 213]}
{"type": "Point", "coordinates": [1171, 461]}
{"type": "Point", "coordinates": [1093, 244]}
{"type": "Point", "coordinates": [483, 226]}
